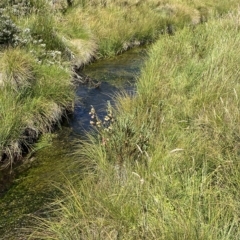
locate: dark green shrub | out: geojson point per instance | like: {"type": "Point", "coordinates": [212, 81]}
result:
{"type": "Point", "coordinates": [8, 31]}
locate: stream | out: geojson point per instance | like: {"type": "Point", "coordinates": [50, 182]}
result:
{"type": "Point", "coordinates": [33, 184]}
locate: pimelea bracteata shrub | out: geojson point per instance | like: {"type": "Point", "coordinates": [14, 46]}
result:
{"type": "Point", "coordinates": [8, 30]}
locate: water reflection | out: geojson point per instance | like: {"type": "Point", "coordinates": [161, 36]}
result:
{"type": "Point", "coordinates": [116, 75]}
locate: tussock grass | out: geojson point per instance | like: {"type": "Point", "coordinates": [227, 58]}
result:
{"type": "Point", "coordinates": [42, 27]}
{"type": "Point", "coordinates": [54, 84]}
{"type": "Point", "coordinates": [17, 68]}
{"type": "Point", "coordinates": [119, 25]}
{"type": "Point", "coordinates": [187, 105]}
{"type": "Point", "coordinates": [11, 128]}
{"type": "Point", "coordinates": [117, 28]}
{"type": "Point", "coordinates": [33, 98]}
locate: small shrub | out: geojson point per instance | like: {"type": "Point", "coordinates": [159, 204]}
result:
{"type": "Point", "coordinates": [9, 32]}
{"type": "Point", "coordinates": [27, 7]}
{"type": "Point", "coordinates": [121, 137]}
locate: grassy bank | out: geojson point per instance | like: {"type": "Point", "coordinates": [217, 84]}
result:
{"type": "Point", "coordinates": [41, 41]}
{"type": "Point", "coordinates": [167, 168]}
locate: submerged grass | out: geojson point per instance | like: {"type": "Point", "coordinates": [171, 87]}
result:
{"type": "Point", "coordinates": [168, 168]}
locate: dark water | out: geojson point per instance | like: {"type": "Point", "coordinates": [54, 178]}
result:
{"type": "Point", "coordinates": [33, 184]}
{"type": "Point", "coordinates": [118, 74]}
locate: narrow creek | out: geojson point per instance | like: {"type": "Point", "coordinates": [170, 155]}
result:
{"type": "Point", "coordinates": [31, 185]}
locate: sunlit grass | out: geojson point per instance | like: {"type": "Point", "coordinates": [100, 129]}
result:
{"type": "Point", "coordinates": [87, 30]}
{"type": "Point", "coordinates": [184, 184]}
{"type": "Point", "coordinates": [118, 28]}
{"type": "Point", "coordinates": [168, 168]}
{"type": "Point", "coordinates": [16, 67]}
{"type": "Point", "coordinates": [33, 98]}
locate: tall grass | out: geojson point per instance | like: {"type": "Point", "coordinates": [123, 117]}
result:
{"type": "Point", "coordinates": [71, 36]}
{"type": "Point", "coordinates": [118, 27]}
{"type": "Point", "coordinates": [33, 98]}
{"type": "Point", "coordinates": [187, 107]}
{"type": "Point", "coordinates": [168, 168]}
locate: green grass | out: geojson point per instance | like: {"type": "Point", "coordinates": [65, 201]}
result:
{"type": "Point", "coordinates": [117, 28]}
{"type": "Point", "coordinates": [169, 167]}
{"type": "Point", "coordinates": [57, 40]}
{"type": "Point", "coordinates": [33, 98]}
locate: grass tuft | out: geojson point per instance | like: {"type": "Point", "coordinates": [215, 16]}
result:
{"type": "Point", "coordinates": [16, 67]}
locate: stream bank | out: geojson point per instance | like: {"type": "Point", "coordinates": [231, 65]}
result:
{"type": "Point", "coordinates": [34, 184]}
